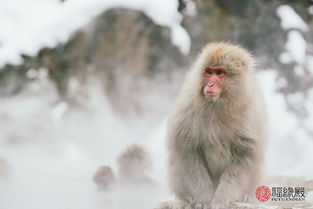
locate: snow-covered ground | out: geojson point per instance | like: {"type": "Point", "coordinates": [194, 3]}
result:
{"type": "Point", "coordinates": [52, 149]}
{"type": "Point", "coordinates": [28, 25]}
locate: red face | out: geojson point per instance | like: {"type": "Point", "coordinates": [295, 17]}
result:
{"type": "Point", "coordinates": [214, 77]}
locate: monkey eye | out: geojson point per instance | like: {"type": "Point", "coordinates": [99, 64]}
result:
{"type": "Point", "coordinates": [219, 72]}
{"type": "Point", "coordinates": [208, 71]}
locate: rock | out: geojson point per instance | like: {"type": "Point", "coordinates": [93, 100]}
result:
{"type": "Point", "coordinates": [118, 47]}
{"type": "Point", "coordinates": [233, 205]}
{"type": "Point", "coordinates": [282, 181]}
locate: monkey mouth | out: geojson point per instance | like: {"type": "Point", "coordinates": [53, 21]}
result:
{"type": "Point", "coordinates": [211, 95]}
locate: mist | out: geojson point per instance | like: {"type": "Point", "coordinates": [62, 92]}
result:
{"type": "Point", "coordinates": [52, 157]}
{"type": "Point", "coordinates": [80, 81]}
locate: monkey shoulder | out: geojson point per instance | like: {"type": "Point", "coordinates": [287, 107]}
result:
{"type": "Point", "coordinates": [185, 130]}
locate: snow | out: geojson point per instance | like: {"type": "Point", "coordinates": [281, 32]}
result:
{"type": "Point", "coordinates": [59, 111]}
{"type": "Point", "coordinates": [190, 9]}
{"type": "Point", "coordinates": [295, 51]}
{"type": "Point", "coordinates": [31, 73]}
{"type": "Point", "coordinates": [289, 146]}
{"type": "Point", "coordinates": [26, 26]}
{"type": "Point", "coordinates": [296, 46]}
{"type": "Point", "coordinates": [281, 83]}
{"type": "Point", "coordinates": [310, 63]}
{"type": "Point", "coordinates": [307, 122]}
{"type": "Point", "coordinates": [310, 10]}
{"type": "Point", "coordinates": [290, 19]}
{"type": "Point", "coordinates": [285, 58]}
{"type": "Point", "coordinates": [179, 36]}
{"type": "Point", "coordinates": [299, 70]}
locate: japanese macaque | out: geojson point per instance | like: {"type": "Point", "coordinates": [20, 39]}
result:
{"type": "Point", "coordinates": [135, 166]}
{"type": "Point", "coordinates": [104, 178]}
{"type": "Point", "coordinates": [217, 129]}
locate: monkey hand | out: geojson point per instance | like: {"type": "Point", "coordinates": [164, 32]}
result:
{"type": "Point", "coordinates": [205, 205]}
{"type": "Point", "coordinates": [219, 204]}
{"type": "Point", "coordinates": [244, 198]}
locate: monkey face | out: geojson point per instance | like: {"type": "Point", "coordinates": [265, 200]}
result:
{"type": "Point", "coordinates": [214, 78]}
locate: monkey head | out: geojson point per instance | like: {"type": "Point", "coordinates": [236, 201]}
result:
{"type": "Point", "coordinates": [221, 67]}
{"type": "Point", "coordinates": [104, 177]}
{"type": "Point", "coordinates": [213, 78]}
{"type": "Point", "coordinates": [134, 162]}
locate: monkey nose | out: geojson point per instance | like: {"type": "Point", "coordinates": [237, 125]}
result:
{"type": "Point", "coordinates": [211, 83]}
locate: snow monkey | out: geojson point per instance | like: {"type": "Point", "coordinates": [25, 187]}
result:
{"type": "Point", "coordinates": [104, 178]}
{"type": "Point", "coordinates": [135, 166]}
{"type": "Point", "coordinates": [216, 129]}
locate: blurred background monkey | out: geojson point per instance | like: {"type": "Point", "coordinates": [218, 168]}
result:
{"type": "Point", "coordinates": [217, 129]}
{"type": "Point", "coordinates": [134, 170]}
{"type": "Point", "coordinates": [135, 166]}
{"type": "Point", "coordinates": [104, 178]}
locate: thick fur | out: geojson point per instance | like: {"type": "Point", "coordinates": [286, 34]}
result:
{"type": "Point", "coordinates": [216, 146]}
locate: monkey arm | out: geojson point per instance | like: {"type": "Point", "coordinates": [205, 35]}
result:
{"type": "Point", "coordinates": [189, 177]}
{"type": "Point", "coordinates": [240, 177]}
